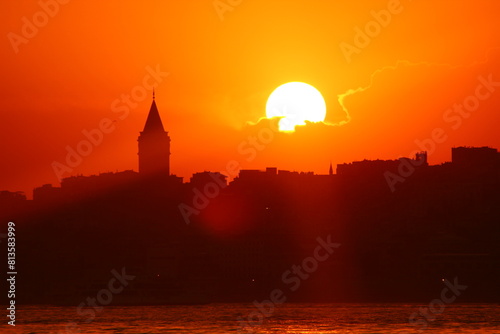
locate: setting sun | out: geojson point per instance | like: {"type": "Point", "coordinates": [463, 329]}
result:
{"type": "Point", "coordinates": [296, 103]}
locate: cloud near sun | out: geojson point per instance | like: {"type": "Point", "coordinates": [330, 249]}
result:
{"type": "Point", "coordinates": [421, 91]}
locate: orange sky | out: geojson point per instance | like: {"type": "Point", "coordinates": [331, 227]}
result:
{"type": "Point", "coordinates": [64, 76]}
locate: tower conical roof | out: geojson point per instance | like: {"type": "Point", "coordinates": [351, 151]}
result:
{"type": "Point", "coordinates": [153, 123]}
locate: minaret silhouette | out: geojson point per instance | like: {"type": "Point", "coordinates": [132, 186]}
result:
{"type": "Point", "coordinates": [331, 169]}
{"type": "Point", "coordinates": [154, 145]}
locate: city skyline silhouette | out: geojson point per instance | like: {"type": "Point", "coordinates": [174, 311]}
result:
{"type": "Point", "coordinates": [234, 234]}
{"type": "Point", "coordinates": [154, 157]}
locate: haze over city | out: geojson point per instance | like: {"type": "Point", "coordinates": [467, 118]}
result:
{"type": "Point", "coordinates": [214, 70]}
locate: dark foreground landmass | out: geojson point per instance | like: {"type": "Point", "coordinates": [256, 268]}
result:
{"type": "Point", "coordinates": [341, 237]}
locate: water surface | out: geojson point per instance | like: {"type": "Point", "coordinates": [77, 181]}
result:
{"type": "Point", "coordinates": [285, 318]}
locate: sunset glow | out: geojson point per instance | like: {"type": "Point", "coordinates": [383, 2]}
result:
{"type": "Point", "coordinates": [386, 75]}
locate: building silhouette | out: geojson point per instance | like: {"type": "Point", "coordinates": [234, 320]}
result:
{"type": "Point", "coordinates": [368, 168]}
{"type": "Point", "coordinates": [484, 157]}
{"type": "Point", "coordinates": [154, 145]}
{"type": "Point", "coordinates": [200, 180]}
